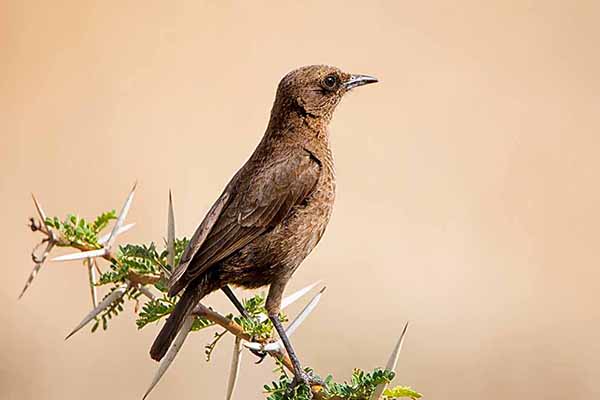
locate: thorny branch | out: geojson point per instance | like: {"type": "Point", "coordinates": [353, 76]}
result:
{"type": "Point", "coordinates": [91, 248]}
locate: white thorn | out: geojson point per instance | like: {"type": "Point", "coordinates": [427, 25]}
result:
{"type": "Point", "coordinates": [121, 218]}
{"type": "Point", "coordinates": [146, 292]}
{"type": "Point", "coordinates": [291, 327]}
{"type": "Point", "coordinates": [32, 276]}
{"type": "Point", "coordinates": [289, 300]}
{"type": "Point", "coordinates": [171, 234]}
{"type": "Point", "coordinates": [92, 278]}
{"type": "Point", "coordinates": [82, 255]}
{"type": "Point", "coordinates": [254, 346]}
{"type": "Point", "coordinates": [171, 353]}
{"type": "Point", "coordinates": [391, 364]}
{"type": "Point", "coordinates": [393, 360]}
{"type": "Point", "coordinates": [292, 298]}
{"type": "Point", "coordinates": [304, 314]}
{"type": "Point", "coordinates": [104, 238]}
{"type": "Point", "coordinates": [234, 370]}
{"type": "Point", "coordinates": [40, 212]}
{"type": "Point", "coordinates": [37, 267]}
{"type": "Point", "coordinates": [110, 299]}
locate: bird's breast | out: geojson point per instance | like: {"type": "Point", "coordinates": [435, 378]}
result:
{"type": "Point", "coordinates": [280, 251]}
{"type": "Point", "coordinates": [306, 225]}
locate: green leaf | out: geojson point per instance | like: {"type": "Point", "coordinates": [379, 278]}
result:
{"type": "Point", "coordinates": [401, 392]}
{"type": "Point", "coordinates": [103, 220]}
{"type": "Point", "coordinates": [77, 231]}
{"type": "Point", "coordinates": [153, 310]}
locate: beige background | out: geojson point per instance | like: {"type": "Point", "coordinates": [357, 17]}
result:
{"type": "Point", "coordinates": [468, 184]}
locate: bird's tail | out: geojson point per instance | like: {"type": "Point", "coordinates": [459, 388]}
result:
{"type": "Point", "coordinates": [191, 296]}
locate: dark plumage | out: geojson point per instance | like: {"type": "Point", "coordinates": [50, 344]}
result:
{"type": "Point", "coordinates": [274, 210]}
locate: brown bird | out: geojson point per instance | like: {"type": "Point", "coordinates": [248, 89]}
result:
{"type": "Point", "coordinates": [274, 210]}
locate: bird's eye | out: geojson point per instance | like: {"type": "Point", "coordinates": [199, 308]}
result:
{"type": "Point", "coordinates": [330, 81]}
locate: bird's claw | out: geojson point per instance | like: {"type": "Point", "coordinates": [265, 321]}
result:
{"type": "Point", "coordinates": [260, 354]}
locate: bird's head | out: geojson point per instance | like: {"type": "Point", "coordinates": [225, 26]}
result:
{"type": "Point", "coordinates": [316, 90]}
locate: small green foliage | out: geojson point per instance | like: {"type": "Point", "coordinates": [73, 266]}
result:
{"type": "Point", "coordinates": [79, 232]}
{"type": "Point", "coordinates": [361, 387]}
{"type": "Point", "coordinates": [201, 323]}
{"type": "Point", "coordinates": [255, 305]}
{"type": "Point", "coordinates": [139, 258]}
{"type": "Point", "coordinates": [153, 310]}
{"type": "Point", "coordinates": [103, 220]}
{"type": "Point", "coordinates": [281, 390]}
{"type": "Point", "coordinates": [257, 329]}
{"type": "Point", "coordinates": [401, 392]}
{"type": "Point", "coordinates": [257, 326]}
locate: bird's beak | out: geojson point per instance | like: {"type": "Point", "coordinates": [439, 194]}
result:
{"type": "Point", "coordinates": [359, 80]}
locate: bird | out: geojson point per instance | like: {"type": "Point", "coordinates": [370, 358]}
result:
{"type": "Point", "coordinates": [274, 210]}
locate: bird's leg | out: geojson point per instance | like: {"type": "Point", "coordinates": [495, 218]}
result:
{"type": "Point", "coordinates": [273, 308]}
{"type": "Point", "coordinates": [299, 374]}
{"type": "Point", "coordinates": [238, 304]}
{"type": "Point", "coordinates": [240, 307]}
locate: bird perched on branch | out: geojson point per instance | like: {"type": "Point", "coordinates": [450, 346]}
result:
{"type": "Point", "coordinates": [274, 210]}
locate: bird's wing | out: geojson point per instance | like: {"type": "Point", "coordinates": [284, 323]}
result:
{"type": "Point", "coordinates": [199, 237]}
{"type": "Point", "coordinates": [248, 208]}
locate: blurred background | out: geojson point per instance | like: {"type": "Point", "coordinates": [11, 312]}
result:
{"type": "Point", "coordinates": [468, 184]}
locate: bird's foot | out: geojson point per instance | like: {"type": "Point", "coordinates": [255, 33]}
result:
{"type": "Point", "coordinates": [260, 354]}
{"type": "Point", "coordinates": [304, 381]}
